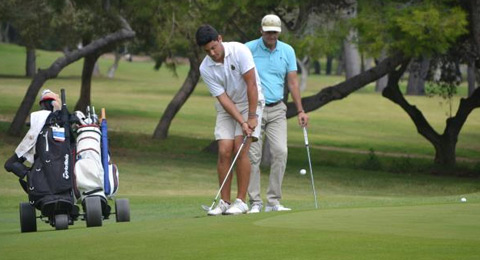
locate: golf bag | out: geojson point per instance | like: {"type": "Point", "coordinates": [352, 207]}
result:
{"type": "Point", "coordinates": [49, 181]}
{"type": "Point", "coordinates": [88, 166]}
{"type": "Point", "coordinates": [90, 173]}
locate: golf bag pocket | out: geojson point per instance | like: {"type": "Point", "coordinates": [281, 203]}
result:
{"type": "Point", "coordinates": [37, 182]}
{"type": "Point", "coordinates": [89, 173]}
{"type": "Point", "coordinates": [112, 178]}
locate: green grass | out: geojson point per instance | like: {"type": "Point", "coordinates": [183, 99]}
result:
{"type": "Point", "coordinates": [396, 211]}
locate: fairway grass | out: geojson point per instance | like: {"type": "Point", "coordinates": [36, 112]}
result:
{"type": "Point", "coordinates": [447, 231]}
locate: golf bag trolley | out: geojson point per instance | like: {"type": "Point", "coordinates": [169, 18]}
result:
{"type": "Point", "coordinates": [49, 181]}
{"type": "Point", "coordinates": [52, 183]}
{"type": "Point", "coordinates": [96, 175]}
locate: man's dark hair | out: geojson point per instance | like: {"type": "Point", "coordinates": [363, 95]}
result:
{"type": "Point", "coordinates": [205, 34]}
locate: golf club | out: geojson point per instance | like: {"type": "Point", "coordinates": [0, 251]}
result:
{"type": "Point", "coordinates": [305, 135]}
{"type": "Point", "coordinates": [207, 208]}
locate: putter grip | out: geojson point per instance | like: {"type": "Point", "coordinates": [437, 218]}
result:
{"type": "Point", "coordinates": [62, 94]}
{"type": "Point", "coordinates": [305, 135]}
{"type": "Point", "coordinates": [103, 115]}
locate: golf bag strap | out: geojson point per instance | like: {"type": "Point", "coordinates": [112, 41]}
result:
{"type": "Point", "coordinates": [87, 149]}
{"type": "Point", "coordinates": [88, 137]}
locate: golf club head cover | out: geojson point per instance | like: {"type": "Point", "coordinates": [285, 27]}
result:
{"type": "Point", "coordinates": [15, 166]}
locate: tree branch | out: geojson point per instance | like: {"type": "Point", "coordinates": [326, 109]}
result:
{"type": "Point", "coordinates": [347, 87]}
{"type": "Point", "coordinates": [467, 105]}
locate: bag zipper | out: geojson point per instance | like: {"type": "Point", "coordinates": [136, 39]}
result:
{"type": "Point", "coordinates": [46, 140]}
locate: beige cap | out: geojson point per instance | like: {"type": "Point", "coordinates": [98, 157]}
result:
{"type": "Point", "coordinates": [271, 23]}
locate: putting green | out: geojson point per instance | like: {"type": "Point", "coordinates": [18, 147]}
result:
{"type": "Point", "coordinates": [447, 221]}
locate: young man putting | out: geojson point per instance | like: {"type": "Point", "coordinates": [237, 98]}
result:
{"type": "Point", "coordinates": [231, 77]}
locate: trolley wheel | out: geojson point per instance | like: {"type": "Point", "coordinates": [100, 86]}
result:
{"type": "Point", "coordinates": [93, 211]}
{"type": "Point", "coordinates": [122, 210]}
{"type": "Point", "coordinates": [28, 218]}
{"type": "Point", "coordinates": [61, 221]}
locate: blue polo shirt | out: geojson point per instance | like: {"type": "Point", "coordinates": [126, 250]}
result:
{"type": "Point", "coordinates": [273, 66]}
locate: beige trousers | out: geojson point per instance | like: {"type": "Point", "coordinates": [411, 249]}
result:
{"type": "Point", "coordinates": [274, 129]}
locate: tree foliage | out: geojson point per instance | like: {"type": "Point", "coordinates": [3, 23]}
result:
{"type": "Point", "coordinates": [413, 27]}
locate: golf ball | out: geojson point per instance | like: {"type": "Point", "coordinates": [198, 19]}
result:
{"type": "Point", "coordinates": [463, 199]}
{"type": "Point", "coordinates": [303, 171]}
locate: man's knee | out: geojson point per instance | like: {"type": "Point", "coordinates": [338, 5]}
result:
{"type": "Point", "coordinates": [279, 151]}
{"type": "Point", "coordinates": [224, 154]}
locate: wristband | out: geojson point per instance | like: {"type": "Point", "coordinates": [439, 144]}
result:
{"type": "Point", "coordinates": [300, 111]}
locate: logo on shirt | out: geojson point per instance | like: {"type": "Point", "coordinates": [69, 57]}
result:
{"type": "Point", "coordinates": [232, 67]}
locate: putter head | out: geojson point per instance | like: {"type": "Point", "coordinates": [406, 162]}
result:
{"type": "Point", "coordinates": [206, 208]}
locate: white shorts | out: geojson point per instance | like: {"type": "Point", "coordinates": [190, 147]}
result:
{"type": "Point", "coordinates": [227, 128]}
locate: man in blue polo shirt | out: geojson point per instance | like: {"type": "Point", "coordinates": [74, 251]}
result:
{"type": "Point", "coordinates": [275, 61]}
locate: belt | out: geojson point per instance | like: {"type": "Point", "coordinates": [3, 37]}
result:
{"type": "Point", "coordinates": [273, 104]}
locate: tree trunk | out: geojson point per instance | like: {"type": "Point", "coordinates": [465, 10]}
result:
{"type": "Point", "coordinates": [475, 22]}
{"type": "Point", "coordinates": [57, 66]}
{"type": "Point", "coordinates": [418, 74]}
{"type": "Point", "coordinates": [328, 69]}
{"type": "Point", "coordinates": [381, 83]}
{"type": "Point", "coordinates": [445, 152]}
{"type": "Point", "coordinates": [96, 69]}
{"type": "Point", "coordinates": [86, 89]}
{"type": "Point", "coordinates": [161, 131]}
{"type": "Point", "coordinates": [6, 35]}
{"type": "Point", "coordinates": [351, 56]}
{"type": "Point", "coordinates": [316, 67]}
{"type": "Point", "coordinates": [368, 63]}
{"type": "Point", "coordinates": [303, 65]}
{"type": "Point", "coordinates": [114, 67]}
{"type": "Point", "coordinates": [444, 144]}
{"type": "Point", "coordinates": [474, 10]}
{"type": "Point", "coordinates": [340, 66]}
{"type": "Point", "coordinates": [471, 77]}
{"type": "Point", "coordinates": [30, 64]}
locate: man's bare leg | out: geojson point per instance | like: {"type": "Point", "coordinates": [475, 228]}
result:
{"type": "Point", "coordinates": [225, 149]}
{"type": "Point", "coordinates": [243, 167]}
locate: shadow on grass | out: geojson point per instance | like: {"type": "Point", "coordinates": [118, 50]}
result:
{"type": "Point", "coordinates": [6, 76]}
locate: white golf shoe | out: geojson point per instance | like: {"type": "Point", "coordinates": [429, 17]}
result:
{"type": "Point", "coordinates": [256, 208]}
{"type": "Point", "coordinates": [221, 208]}
{"type": "Point", "coordinates": [276, 208]}
{"type": "Point", "coordinates": [237, 208]}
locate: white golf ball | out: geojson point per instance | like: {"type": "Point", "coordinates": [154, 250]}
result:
{"type": "Point", "coordinates": [463, 199]}
{"type": "Point", "coordinates": [303, 172]}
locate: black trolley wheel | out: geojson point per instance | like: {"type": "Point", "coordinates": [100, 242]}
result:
{"type": "Point", "coordinates": [122, 210]}
{"type": "Point", "coordinates": [28, 218]}
{"type": "Point", "coordinates": [61, 221]}
{"type": "Point", "coordinates": [93, 211]}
